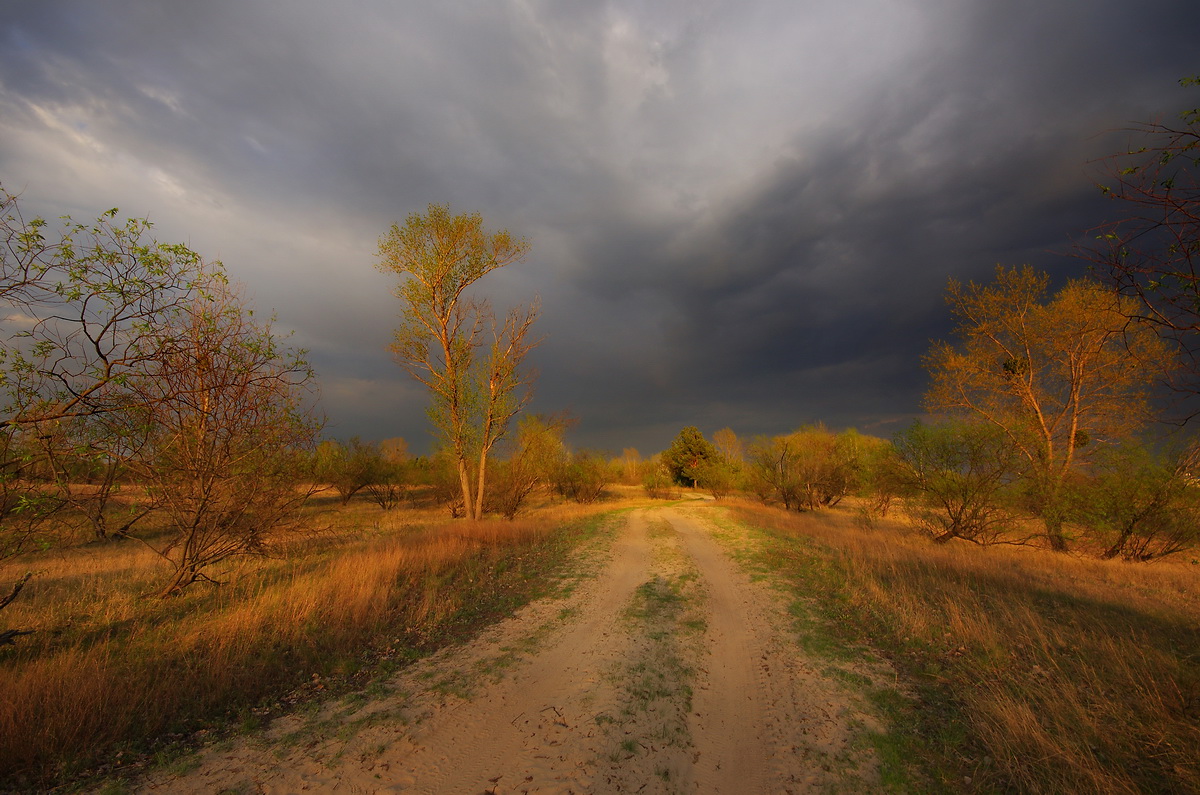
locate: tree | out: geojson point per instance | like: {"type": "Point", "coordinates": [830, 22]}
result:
{"type": "Point", "coordinates": [390, 477]}
{"type": "Point", "coordinates": [687, 455]}
{"type": "Point", "coordinates": [87, 463]}
{"type": "Point", "coordinates": [1060, 376]}
{"type": "Point", "coordinates": [630, 466]}
{"type": "Point", "coordinates": [89, 310]}
{"type": "Point", "coordinates": [442, 329]}
{"type": "Point", "coordinates": [1151, 252]}
{"type": "Point", "coordinates": [730, 446]}
{"type": "Point", "coordinates": [92, 308]}
{"type": "Point", "coordinates": [224, 409]}
{"type": "Point", "coordinates": [657, 480]}
{"type": "Point", "coordinates": [584, 475]}
{"type": "Point", "coordinates": [718, 477]}
{"type": "Point", "coordinates": [958, 477]}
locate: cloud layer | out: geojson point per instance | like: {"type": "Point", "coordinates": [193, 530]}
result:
{"type": "Point", "coordinates": [743, 213]}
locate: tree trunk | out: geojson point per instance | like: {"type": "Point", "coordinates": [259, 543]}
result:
{"type": "Point", "coordinates": [1054, 532]}
{"type": "Point", "coordinates": [1117, 547]}
{"type": "Point", "coordinates": [464, 477]}
{"type": "Point", "coordinates": [479, 487]}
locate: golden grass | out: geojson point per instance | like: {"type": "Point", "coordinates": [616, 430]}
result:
{"type": "Point", "coordinates": [110, 672]}
{"type": "Point", "coordinates": [1066, 674]}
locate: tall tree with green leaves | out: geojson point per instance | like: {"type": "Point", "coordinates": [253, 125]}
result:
{"type": "Point", "coordinates": [1060, 375]}
{"type": "Point", "coordinates": [451, 341]}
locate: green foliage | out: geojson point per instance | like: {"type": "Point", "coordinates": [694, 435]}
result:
{"type": "Point", "coordinates": [958, 477]}
{"type": "Point", "coordinates": [657, 480]}
{"type": "Point", "coordinates": [808, 469]}
{"type": "Point", "coordinates": [583, 476]}
{"type": "Point", "coordinates": [538, 455]}
{"type": "Point", "coordinates": [687, 455]}
{"type": "Point", "coordinates": [1146, 506]}
{"type": "Point", "coordinates": [349, 467]}
{"type": "Point", "coordinates": [91, 308]}
{"type": "Point", "coordinates": [719, 477]}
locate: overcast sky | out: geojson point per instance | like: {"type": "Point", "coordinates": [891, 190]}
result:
{"type": "Point", "coordinates": [743, 212]}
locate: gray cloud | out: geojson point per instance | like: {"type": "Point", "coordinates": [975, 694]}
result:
{"type": "Point", "coordinates": [743, 214]}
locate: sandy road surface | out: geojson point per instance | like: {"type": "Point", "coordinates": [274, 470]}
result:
{"type": "Point", "coordinates": [668, 671]}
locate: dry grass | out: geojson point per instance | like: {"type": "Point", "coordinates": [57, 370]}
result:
{"type": "Point", "coordinates": [110, 673]}
{"type": "Point", "coordinates": [1037, 672]}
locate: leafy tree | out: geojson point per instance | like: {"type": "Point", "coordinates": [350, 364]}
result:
{"type": "Point", "coordinates": [389, 479]}
{"type": "Point", "coordinates": [92, 308]}
{"type": "Point", "coordinates": [442, 330]}
{"type": "Point", "coordinates": [1058, 375]}
{"type": "Point", "coordinates": [1151, 252]}
{"type": "Point", "coordinates": [719, 477]}
{"type": "Point", "coordinates": [687, 455]}
{"type": "Point", "coordinates": [657, 480]}
{"type": "Point", "coordinates": [724, 474]}
{"type": "Point", "coordinates": [773, 472]}
{"type": "Point", "coordinates": [958, 477]}
{"type": "Point", "coordinates": [878, 481]}
{"type": "Point", "coordinates": [224, 447]}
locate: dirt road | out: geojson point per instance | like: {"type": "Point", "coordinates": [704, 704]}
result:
{"type": "Point", "coordinates": [669, 670]}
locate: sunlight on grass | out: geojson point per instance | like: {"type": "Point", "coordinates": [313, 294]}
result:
{"type": "Point", "coordinates": [1066, 674]}
{"type": "Point", "coordinates": [111, 674]}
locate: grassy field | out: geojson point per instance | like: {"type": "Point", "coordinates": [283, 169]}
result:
{"type": "Point", "coordinates": [1027, 671]}
{"type": "Point", "coordinates": [112, 679]}
{"type": "Point", "coordinates": [1030, 671]}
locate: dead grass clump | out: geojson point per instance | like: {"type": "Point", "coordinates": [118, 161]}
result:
{"type": "Point", "coordinates": [1067, 674]}
{"type": "Point", "coordinates": [109, 673]}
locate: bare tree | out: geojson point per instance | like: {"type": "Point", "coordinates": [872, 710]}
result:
{"type": "Point", "coordinates": [87, 310]}
{"type": "Point", "coordinates": [1151, 252]}
{"type": "Point", "coordinates": [226, 407]}
{"type": "Point", "coordinates": [442, 330]}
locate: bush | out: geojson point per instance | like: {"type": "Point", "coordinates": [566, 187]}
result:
{"type": "Point", "coordinates": [958, 477]}
{"type": "Point", "coordinates": [584, 476]}
{"type": "Point", "coordinates": [809, 469]}
{"type": "Point", "coordinates": [1145, 506]}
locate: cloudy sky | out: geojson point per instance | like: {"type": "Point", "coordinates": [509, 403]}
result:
{"type": "Point", "coordinates": [743, 212]}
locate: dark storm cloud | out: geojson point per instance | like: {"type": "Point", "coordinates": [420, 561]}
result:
{"type": "Point", "coordinates": [743, 214]}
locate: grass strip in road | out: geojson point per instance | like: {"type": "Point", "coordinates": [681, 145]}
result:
{"type": "Point", "coordinates": [665, 618]}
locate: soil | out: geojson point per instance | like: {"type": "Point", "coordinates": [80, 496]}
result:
{"type": "Point", "coordinates": [667, 669]}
